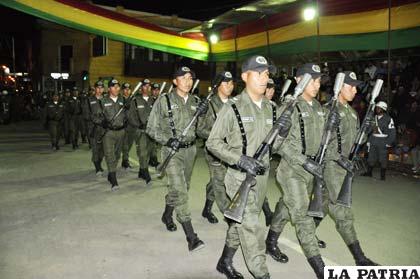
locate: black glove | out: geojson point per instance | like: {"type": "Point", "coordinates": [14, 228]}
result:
{"type": "Point", "coordinates": [334, 119]}
{"type": "Point", "coordinates": [202, 108]}
{"type": "Point", "coordinates": [251, 165]}
{"type": "Point", "coordinates": [173, 143]}
{"type": "Point", "coordinates": [314, 168]}
{"type": "Point", "coordinates": [105, 124]}
{"type": "Point", "coordinates": [285, 122]}
{"type": "Point", "coordinates": [345, 163]}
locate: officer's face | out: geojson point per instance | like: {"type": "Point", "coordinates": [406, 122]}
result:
{"type": "Point", "coordinates": [155, 92]}
{"type": "Point", "coordinates": [379, 111]}
{"type": "Point", "coordinates": [114, 90]}
{"type": "Point", "coordinates": [348, 92]}
{"type": "Point", "coordinates": [127, 92]}
{"type": "Point", "coordinates": [145, 89]}
{"type": "Point", "coordinates": [256, 82]}
{"type": "Point", "coordinates": [312, 88]}
{"type": "Point", "coordinates": [99, 90]}
{"type": "Point", "coordinates": [269, 93]}
{"type": "Point", "coordinates": [226, 88]}
{"type": "Point", "coordinates": [55, 98]}
{"type": "Point", "coordinates": [184, 83]}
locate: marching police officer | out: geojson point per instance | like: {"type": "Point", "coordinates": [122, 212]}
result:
{"type": "Point", "coordinates": [129, 130]}
{"type": "Point", "coordinates": [296, 170]}
{"type": "Point", "coordinates": [240, 128]}
{"type": "Point", "coordinates": [138, 115]}
{"type": "Point", "coordinates": [337, 165]}
{"type": "Point", "coordinates": [66, 128]}
{"type": "Point", "coordinates": [74, 113]}
{"type": "Point", "coordinates": [383, 136]}
{"type": "Point", "coordinates": [54, 117]}
{"type": "Point", "coordinates": [111, 115]}
{"type": "Point", "coordinates": [94, 129]}
{"type": "Point", "coordinates": [171, 113]}
{"type": "Point", "coordinates": [215, 189]}
{"type": "Point", "coordinates": [4, 107]}
{"type": "Point", "coordinates": [153, 162]}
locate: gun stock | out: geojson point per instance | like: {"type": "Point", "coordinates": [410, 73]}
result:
{"type": "Point", "coordinates": [236, 208]}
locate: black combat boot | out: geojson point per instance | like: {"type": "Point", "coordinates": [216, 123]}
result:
{"type": "Point", "coordinates": [267, 213]}
{"type": "Point", "coordinates": [144, 174]}
{"type": "Point", "coordinates": [369, 172]}
{"type": "Point", "coordinates": [112, 178]}
{"type": "Point", "coordinates": [359, 256]}
{"type": "Point", "coordinates": [207, 212]}
{"type": "Point", "coordinates": [100, 166]}
{"type": "Point", "coordinates": [194, 243]}
{"type": "Point", "coordinates": [153, 162]}
{"type": "Point", "coordinates": [225, 264]}
{"type": "Point", "coordinates": [125, 164]}
{"type": "Point", "coordinates": [321, 243]}
{"type": "Point", "coordinates": [317, 265]}
{"type": "Point", "coordinates": [167, 218]}
{"type": "Point", "coordinates": [56, 146]}
{"type": "Point", "coordinates": [272, 249]}
{"type": "Point", "coordinates": [383, 172]}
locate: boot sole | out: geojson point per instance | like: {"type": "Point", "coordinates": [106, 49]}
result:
{"type": "Point", "coordinates": [201, 246]}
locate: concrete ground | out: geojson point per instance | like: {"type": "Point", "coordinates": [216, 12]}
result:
{"type": "Point", "coordinates": [58, 220]}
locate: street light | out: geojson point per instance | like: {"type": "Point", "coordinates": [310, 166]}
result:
{"type": "Point", "coordinates": [309, 13]}
{"type": "Point", "coordinates": [214, 39]}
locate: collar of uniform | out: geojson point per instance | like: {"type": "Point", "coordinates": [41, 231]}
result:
{"type": "Point", "coordinates": [181, 99]}
{"type": "Point", "coordinates": [247, 99]}
{"type": "Point", "coordinates": [216, 99]}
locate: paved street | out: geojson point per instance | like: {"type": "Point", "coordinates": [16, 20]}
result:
{"type": "Point", "coordinates": [58, 220]}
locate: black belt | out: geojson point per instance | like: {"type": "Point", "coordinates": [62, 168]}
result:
{"type": "Point", "coordinates": [311, 157]}
{"type": "Point", "coordinates": [117, 129]}
{"type": "Point", "coordinates": [186, 144]}
{"type": "Point", "coordinates": [235, 167]}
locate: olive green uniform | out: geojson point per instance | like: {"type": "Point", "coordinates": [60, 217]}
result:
{"type": "Point", "coordinates": [95, 130]}
{"type": "Point", "coordinates": [112, 141]}
{"type": "Point", "coordinates": [303, 141]}
{"type": "Point", "coordinates": [179, 169]}
{"type": "Point", "coordinates": [226, 142]}
{"type": "Point", "coordinates": [215, 189]}
{"type": "Point", "coordinates": [54, 116]}
{"type": "Point", "coordinates": [74, 113]}
{"type": "Point", "coordinates": [138, 116]}
{"type": "Point", "coordinates": [129, 136]}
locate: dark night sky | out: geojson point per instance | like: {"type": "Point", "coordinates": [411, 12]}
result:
{"type": "Point", "coordinates": [198, 10]}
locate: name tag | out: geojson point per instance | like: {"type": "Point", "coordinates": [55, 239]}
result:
{"type": "Point", "coordinates": [305, 114]}
{"type": "Point", "coordinates": [247, 119]}
{"type": "Point", "coordinates": [140, 106]}
{"type": "Point", "coordinates": [342, 114]}
{"type": "Point", "coordinates": [93, 102]}
{"type": "Point", "coordinates": [50, 106]}
{"type": "Point", "coordinates": [107, 105]}
{"type": "Point", "coordinates": [174, 106]}
{"type": "Point", "coordinates": [60, 106]}
{"type": "Point", "coordinates": [269, 121]}
{"type": "Point", "coordinates": [354, 116]}
{"type": "Point", "coordinates": [321, 113]}
{"type": "Point", "coordinates": [121, 104]}
{"type": "Point", "coordinates": [194, 108]}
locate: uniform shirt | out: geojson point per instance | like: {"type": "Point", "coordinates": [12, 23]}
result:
{"type": "Point", "coordinates": [349, 127]}
{"type": "Point", "coordinates": [225, 140]}
{"type": "Point", "coordinates": [139, 111]}
{"type": "Point", "coordinates": [4, 104]}
{"type": "Point", "coordinates": [158, 125]}
{"type": "Point", "coordinates": [313, 117]}
{"type": "Point", "coordinates": [54, 112]}
{"type": "Point", "coordinates": [206, 122]}
{"type": "Point", "coordinates": [73, 106]}
{"type": "Point", "coordinates": [107, 109]}
{"type": "Point", "coordinates": [89, 107]}
{"type": "Point", "coordinates": [384, 128]}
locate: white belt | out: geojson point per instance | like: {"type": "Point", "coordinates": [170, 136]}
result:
{"type": "Point", "coordinates": [380, 135]}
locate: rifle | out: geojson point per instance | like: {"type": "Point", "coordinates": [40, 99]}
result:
{"type": "Point", "coordinates": [286, 86]}
{"type": "Point", "coordinates": [344, 197]}
{"type": "Point", "coordinates": [161, 168]}
{"type": "Point", "coordinates": [119, 112]}
{"type": "Point", "coordinates": [315, 205]}
{"type": "Point", "coordinates": [236, 208]}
